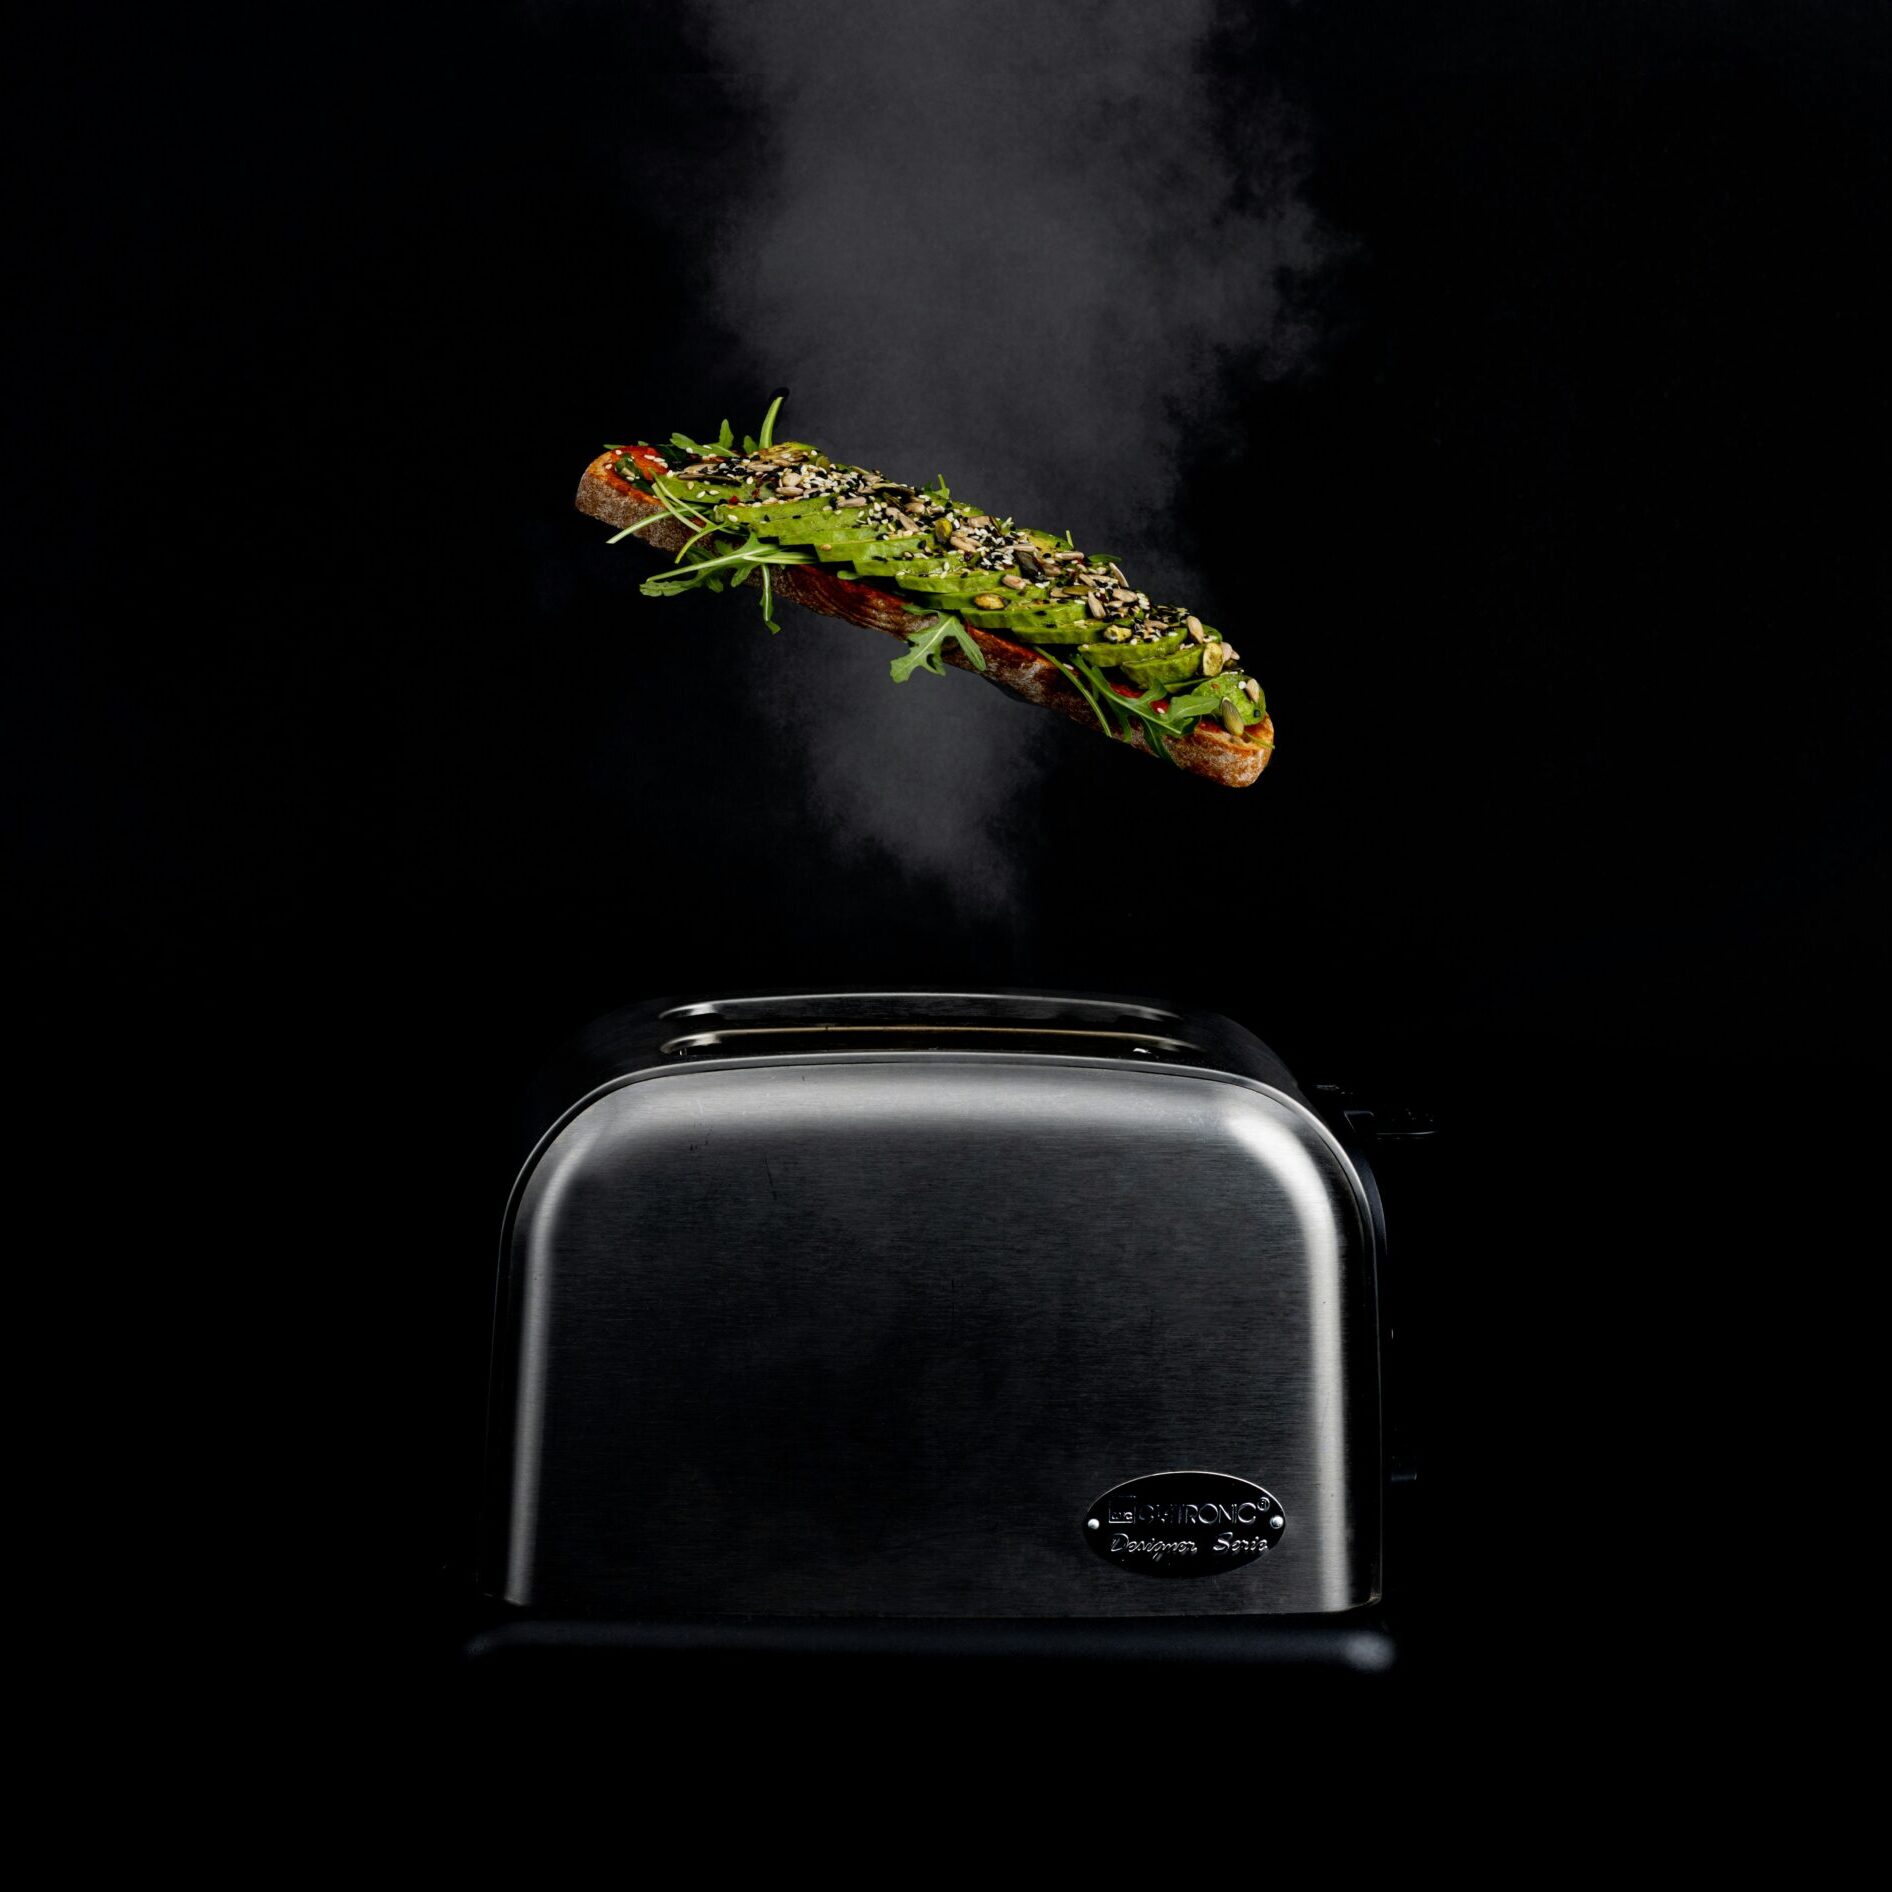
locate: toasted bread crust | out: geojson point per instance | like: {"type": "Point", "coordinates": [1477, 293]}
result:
{"type": "Point", "coordinates": [1208, 749]}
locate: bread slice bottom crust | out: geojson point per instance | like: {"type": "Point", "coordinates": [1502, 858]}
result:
{"type": "Point", "coordinates": [1208, 749]}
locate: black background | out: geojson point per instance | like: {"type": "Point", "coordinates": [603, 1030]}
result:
{"type": "Point", "coordinates": [356, 773]}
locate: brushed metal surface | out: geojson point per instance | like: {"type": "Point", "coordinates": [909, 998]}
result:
{"type": "Point", "coordinates": [866, 1333]}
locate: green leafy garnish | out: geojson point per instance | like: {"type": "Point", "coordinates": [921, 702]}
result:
{"type": "Point", "coordinates": [1209, 695]}
{"type": "Point", "coordinates": [1118, 715]}
{"type": "Point", "coordinates": [928, 648]}
{"type": "Point", "coordinates": [628, 530]}
{"type": "Point", "coordinates": [716, 564]}
{"type": "Point", "coordinates": [713, 568]}
{"type": "Point", "coordinates": [1158, 727]}
{"type": "Point", "coordinates": [1083, 689]}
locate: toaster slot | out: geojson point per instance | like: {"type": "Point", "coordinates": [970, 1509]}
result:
{"type": "Point", "coordinates": [989, 1010]}
{"type": "Point", "coordinates": [778, 1040]}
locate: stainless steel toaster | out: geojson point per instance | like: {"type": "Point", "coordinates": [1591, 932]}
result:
{"type": "Point", "coordinates": [938, 1304]}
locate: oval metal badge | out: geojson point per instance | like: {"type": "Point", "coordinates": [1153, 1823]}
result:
{"type": "Point", "coordinates": [1183, 1524]}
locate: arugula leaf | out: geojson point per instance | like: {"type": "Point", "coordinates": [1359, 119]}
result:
{"type": "Point", "coordinates": [716, 564]}
{"type": "Point", "coordinates": [1204, 700]}
{"type": "Point", "coordinates": [689, 446]}
{"type": "Point", "coordinates": [928, 652]}
{"type": "Point", "coordinates": [692, 567]}
{"type": "Point", "coordinates": [628, 530]}
{"type": "Point", "coordinates": [1160, 725]}
{"type": "Point", "coordinates": [768, 420]}
{"type": "Point", "coordinates": [768, 603]}
{"type": "Point", "coordinates": [1083, 689]}
{"type": "Point", "coordinates": [725, 439]}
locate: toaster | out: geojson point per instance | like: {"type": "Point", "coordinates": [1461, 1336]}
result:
{"type": "Point", "coordinates": [933, 1305]}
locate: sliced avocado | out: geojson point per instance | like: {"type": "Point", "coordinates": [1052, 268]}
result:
{"type": "Point", "coordinates": [1222, 697]}
{"type": "Point", "coordinates": [692, 492]}
{"type": "Point", "coordinates": [1106, 652]}
{"type": "Point", "coordinates": [967, 581]}
{"type": "Point", "coordinates": [1050, 610]}
{"type": "Point", "coordinates": [1232, 692]}
{"type": "Point", "coordinates": [887, 557]}
{"type": "Point", "coordinates": [981, 585]}
{"type": "Point", "coordinates": [829, 528]}
{"type": "Point", "coordinates": [1074, 631]}
{"type": "Point", "coordinates": [1178, 667]}
{"type": "Point", "coordinates": [781, 511]}
{"type": "Point", "coordinates": [1021, 617]}
{"type": "Point", "coordinates": [844, 551]}
{"type": "Point", "coordinates": [930, 575]}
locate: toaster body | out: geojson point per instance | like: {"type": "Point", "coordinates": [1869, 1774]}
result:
{"type": "Point", "coordinates": [933, 1305]}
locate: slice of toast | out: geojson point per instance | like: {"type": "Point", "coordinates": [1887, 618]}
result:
{"type": "Point", "coordinates": [1208, 749]}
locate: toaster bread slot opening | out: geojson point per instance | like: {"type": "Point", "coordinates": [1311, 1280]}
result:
{"type": "Point", "coordinates": [986, 1010]}
{"type": "Point", "coordinates": [776, 1040]}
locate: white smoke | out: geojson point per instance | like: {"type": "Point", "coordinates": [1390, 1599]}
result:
{"type": "Point", "coordinates": [1015, 245]}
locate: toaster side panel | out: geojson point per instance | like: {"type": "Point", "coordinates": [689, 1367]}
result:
{"type": "Point", "coordinates": [869, 1336]}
